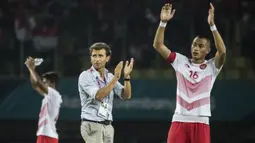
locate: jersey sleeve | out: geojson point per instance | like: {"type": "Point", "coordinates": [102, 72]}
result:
{"type": "Point", "coordinates": [54, 97]}
{"type": "Point", "coordinates": [215, 70]}
{"type": "Point", "coordinates": [176, 59]}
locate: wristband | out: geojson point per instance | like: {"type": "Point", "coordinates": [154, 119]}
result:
{"type": "Point", "coordinates": [126, 79]}
{"type": "Point", "coordinates": [213, 28]}
{"type": "Point", "coordinates": [162, 24]}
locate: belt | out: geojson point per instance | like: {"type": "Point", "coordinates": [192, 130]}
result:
{"type": "Point", "coordinates": [105, 122]}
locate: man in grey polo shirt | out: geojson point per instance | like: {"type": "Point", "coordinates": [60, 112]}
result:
{"type": "Point", "coordinates": [97, 87]}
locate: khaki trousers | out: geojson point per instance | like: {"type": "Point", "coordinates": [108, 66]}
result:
{"type": "Point", "coordinates": [97, 133]}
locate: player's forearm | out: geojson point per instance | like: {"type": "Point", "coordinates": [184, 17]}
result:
{"type": "Point", "coordinates": [103, 92]}
{"type": "Point", "coordinates": [37, 82]}
{"type": "Point", "coordinates": [219, 44]}
{"type": "Point", "coordinates": [126, 94]}
{"type": "Point", "coordinates": [32, 81]}
{"type": "Point", "coordinates": [159, 37]}
{"type": "Point", "coordinates": [34, 78]}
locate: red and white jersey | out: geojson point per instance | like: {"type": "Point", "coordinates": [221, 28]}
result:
{"type": "Point", "coordinates": [49, 114]}
{"type": "Point", "coordinates": [194, 85]}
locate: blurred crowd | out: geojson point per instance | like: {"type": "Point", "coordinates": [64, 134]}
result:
{"type": "Point", "coordinates": [60, 31]}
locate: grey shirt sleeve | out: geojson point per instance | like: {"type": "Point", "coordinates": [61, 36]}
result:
{"type": "Point", "coordinates": [118, 89]}
{"type": "Point", "coordinates": [87, 84]}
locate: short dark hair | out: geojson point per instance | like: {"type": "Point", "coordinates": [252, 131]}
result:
{"type": "Point", "coordinates": [206, 38]}
{"type": "Point", "coordinates": [52, 77]}
{"type": "Point", "coordinates": [99, 46]}
{"type": "Point", "coordinates": [203, 37]}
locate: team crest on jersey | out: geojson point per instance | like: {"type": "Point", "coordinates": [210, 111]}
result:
{"type": "Point", "coordinates": [203, 66]}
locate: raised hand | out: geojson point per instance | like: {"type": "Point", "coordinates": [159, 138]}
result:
{"type": "Point", "coordinates": [30, 63]}
{"type": "Point", "coordinates": [118, 69]}
{"type": "Point", "coordinates": [128, 68]}
{"type": "Point", "coordinates": [211, 15]}
{"type": "Point", "coordinates": [166, 12]}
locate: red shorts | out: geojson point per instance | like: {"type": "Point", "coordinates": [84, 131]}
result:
{"type": "Point", "coordinates": [46, 139]}
{"type": "Point", "coordinates": [181, 132]}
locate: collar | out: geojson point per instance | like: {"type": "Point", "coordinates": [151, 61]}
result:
{"type": "Point", "coordinates": [96, 74]}
{"type": "Point", "coordinates": [197, 64]}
